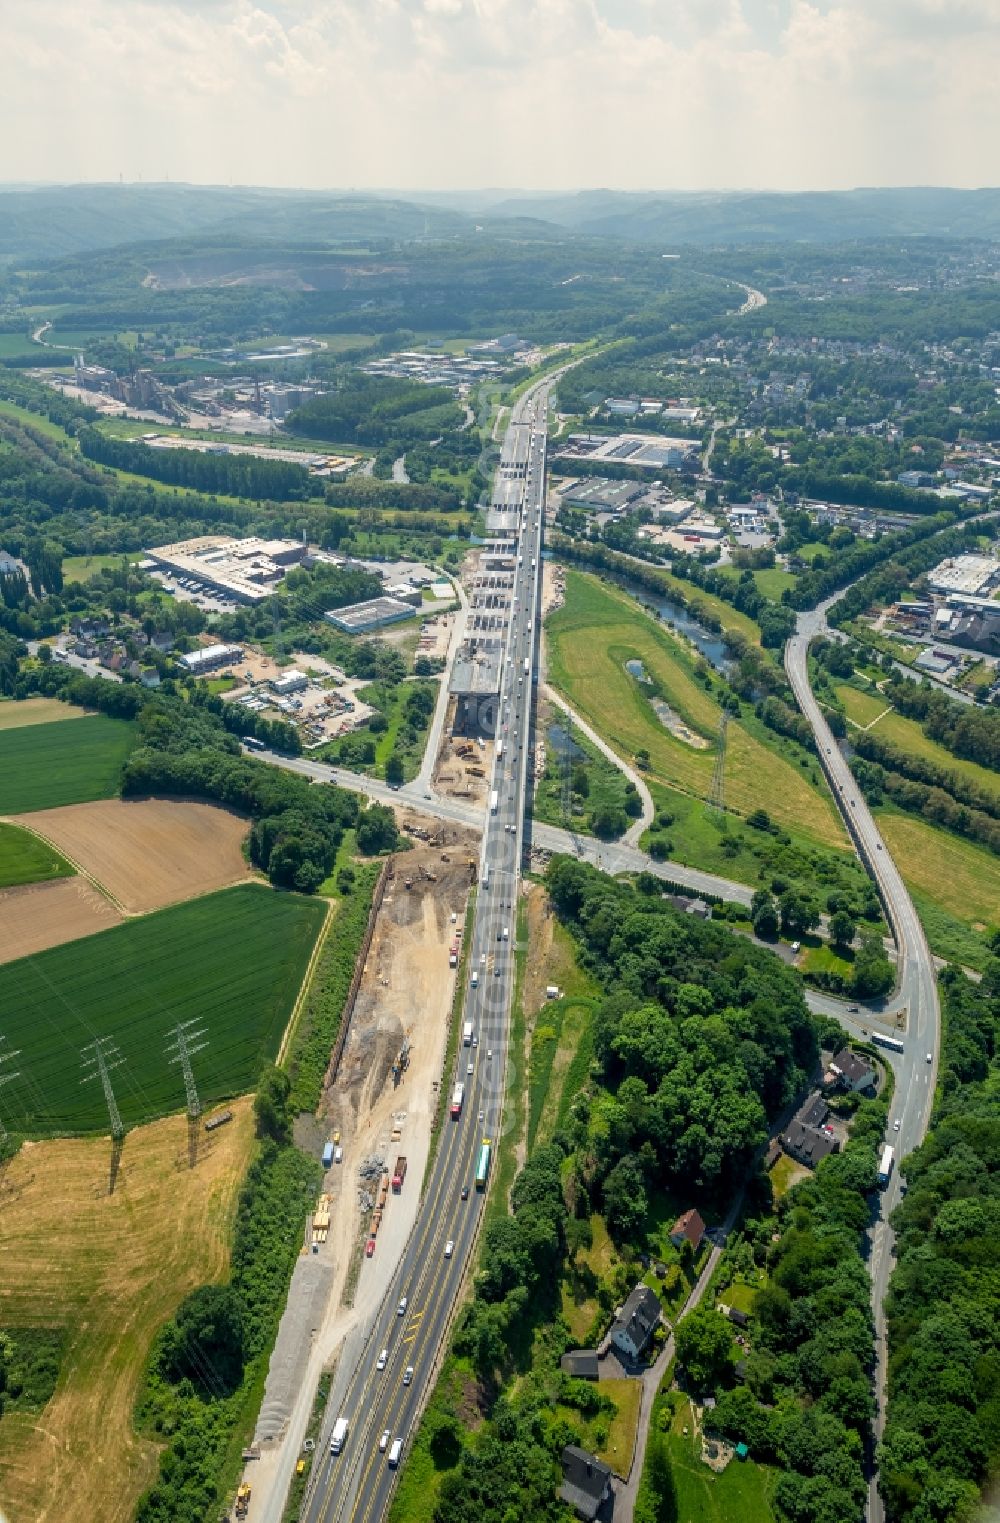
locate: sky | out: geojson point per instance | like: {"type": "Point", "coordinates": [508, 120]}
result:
{"type": "Point", "coordinates": [440, 94]}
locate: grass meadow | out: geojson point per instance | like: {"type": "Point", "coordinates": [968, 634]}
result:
{"type": "Point", "coordinates": [591, 637]}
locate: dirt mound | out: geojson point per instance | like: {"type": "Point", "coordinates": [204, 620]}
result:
{"type": "Point", "coordinates": [148, 853]}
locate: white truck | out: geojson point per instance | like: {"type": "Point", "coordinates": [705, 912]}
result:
{"type": "Point", "coordinates": [467, 1034]}
{"type": "Point", "coordinates": [494, 801]}
{"type": "Point", "coordinates": [338, 1435]}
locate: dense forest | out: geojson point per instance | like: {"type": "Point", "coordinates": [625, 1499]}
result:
{"type": "Point", "coordinates": [247, 476]}
{"type": "Point", "coordinates": [372, 410]}
{"type": "Point", "coordinates": [942, 1437]}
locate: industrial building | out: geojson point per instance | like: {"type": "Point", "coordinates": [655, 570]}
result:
{"type": "Point", "coordinates": [245, 570]}
{"type": "Point", "coordinates": [374, 613]}
{"type": "Point", "coordinates": [973, 575]}
{"type": "Point", "coordinates": [648, 451]}
{"type": "Point", "coordinates": [601, 495]}
{"type": "Point", "coordinates": [208, 658]}
{"type": "Point", "coordinates": [292, 681]}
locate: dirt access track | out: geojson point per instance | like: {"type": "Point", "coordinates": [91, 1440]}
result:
{"type": "Point", "coordinates": [110, 1269]}
{"type": "Point", "coordinates": [405, 997]}
{"type": "Point", "coordinates": [147, 853]}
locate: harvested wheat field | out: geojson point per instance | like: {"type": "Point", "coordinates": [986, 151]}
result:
{"type": "Point", "coordinates": [149, 853]}
{"type": "Point", "coordinates": [13, 716]}
{"type": "Point", "coordinates": [40, 915]}
{"type": "Point", "coordinates": [111, 1270]}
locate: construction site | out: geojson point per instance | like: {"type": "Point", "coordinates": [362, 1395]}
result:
{"type": "Point", "coordinates": [376, 1120]}
{"type": "Point", "coordinates": [463, 765]}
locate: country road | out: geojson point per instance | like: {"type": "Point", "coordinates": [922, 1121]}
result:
{"type": "Point", "coordinates": [916, 1068]}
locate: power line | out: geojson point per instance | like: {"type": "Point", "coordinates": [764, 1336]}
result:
{"type": "Point", "coordinates": [104, 1055]}
{"type": "Point", "coordinates": [186, 1042]}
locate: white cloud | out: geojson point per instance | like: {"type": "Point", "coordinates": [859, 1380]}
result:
{"type": "Point", "coordinates": [435, 93]}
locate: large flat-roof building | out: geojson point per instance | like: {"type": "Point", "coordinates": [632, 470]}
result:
{"type": "Point", "coordinates": [208, 658]}
{"type": "Point", "coordinates": [649, 451]}
{"type": "Point", "coordinates": [972, 575]}
{"type": "Point", "coordinates": [373, 613]}
{"type": "Point", "coordinates": [245, 570]}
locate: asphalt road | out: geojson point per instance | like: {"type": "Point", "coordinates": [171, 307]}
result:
{"type": "Point", "coordinates": [916, 1066]}
{"type": "Point", "coordinates": [413, 1321]}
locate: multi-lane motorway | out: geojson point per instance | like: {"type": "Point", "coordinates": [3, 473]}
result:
{"type": "Point", "coordinates": [412, 1322]}
{"type": "Point", "coordinates": [916, 1067]}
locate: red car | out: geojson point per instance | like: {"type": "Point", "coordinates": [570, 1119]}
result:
{"type": "Point", "coordinates": [369, 1248]}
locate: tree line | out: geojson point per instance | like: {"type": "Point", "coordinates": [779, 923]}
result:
{"type": "Point", "coordinates": [248, 476]}
{"type": "Point", "coordinates": [942, 1435]}
{"type": "Point", "coordinates": [963, 728]}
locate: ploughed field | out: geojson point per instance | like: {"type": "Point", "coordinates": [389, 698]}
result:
{"type": "Point", "coordinates": [149, 853]}
{"type": "Point", "coordinates": [233, 961]}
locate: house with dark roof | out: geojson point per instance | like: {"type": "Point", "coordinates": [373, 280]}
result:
{"type": "Point", "coordinates": [688, 1226]}
{"type": "Point", "coordinates": [851, 1072]}
{"type": "Point", "coordinates": [586, 1484]}
{"type": "Point", "coordinates": [581, 1363]}
{"type": "Point", "coordinates": [807, 1144]}
{"type": "Point", "coordinates": [636, 1322]}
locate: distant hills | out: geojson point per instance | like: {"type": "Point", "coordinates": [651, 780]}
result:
{"type": "Point", "coordinates": [767, 217]}
{"type": "Point", "coordinates": [52, 221]}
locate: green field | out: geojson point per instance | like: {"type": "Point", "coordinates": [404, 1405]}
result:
{"type": "Point", "coordinates": [26, 859]}
{"type": "Point", "coordinates": [37, 421]}
{"type": "Point", "coordinates": [45, 765]}
{"type": "Point", "coordinates": [233, 961]}
{"type": "Point", "coordinates": [873, 712]}
{"type": "Point", "coordinates": [964, 879]}
{"type": "Point", "coordinates": [741, 1494]}
{"type": "Point", "coordinates": [591, 637]}
{"type": "Point", "coordinates": [79, 568]}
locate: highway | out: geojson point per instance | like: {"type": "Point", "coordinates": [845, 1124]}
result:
{"type": "Point", "coordinates": [413, 1320]}
{"type": "Point", "coordinates": [916, 1066]}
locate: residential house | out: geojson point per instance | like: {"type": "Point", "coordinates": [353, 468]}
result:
{"type": "Point", "coordinates": [636, 1322]}
{"type": "Point", "coordinates": [586, 1484]}
{"type": "Point", "coordinates": [688, 1227]}
{"type": "Point", "coordinates": [852, 1072]}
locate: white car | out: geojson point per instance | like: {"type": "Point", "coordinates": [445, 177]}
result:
{"type": "Point", "coordinates": [449, 1248]}
{"type": "Point", "coordinates": [401, 1308]}
{"type": "Point", "coordinates": [382, 1360]}
{"type": "Point", "coordinates": [383, 1442]}
{"type": "Point", "coordinates": [895, 1126]}
{"type": "Point", "coordinates": [930, 1057]}
{"type": "Point", "coordinates": [408, 1375]}
{"type": "Point", "coordinates": [489, 1055]}
{"type": "Point", "coordinates": [471, 1068]}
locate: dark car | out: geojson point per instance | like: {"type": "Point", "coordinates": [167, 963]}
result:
{"type": "Point", "coordinates": [465, 1192]}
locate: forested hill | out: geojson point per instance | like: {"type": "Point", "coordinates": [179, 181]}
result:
{"type": "Point", "coordinates": [766, 217]}
{"type": "Point", "coordinates": [54, 220]}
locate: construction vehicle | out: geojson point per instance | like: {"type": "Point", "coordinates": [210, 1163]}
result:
{"type": "Point", "coordinates": [243, 1500]}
